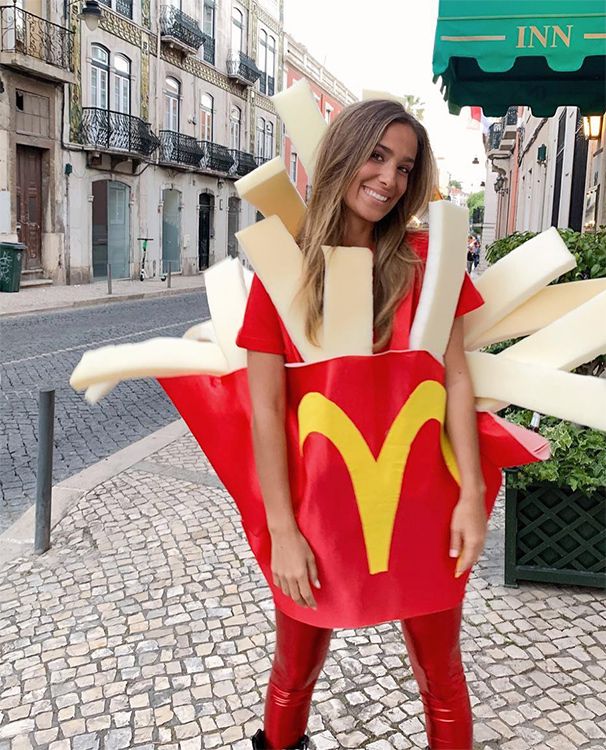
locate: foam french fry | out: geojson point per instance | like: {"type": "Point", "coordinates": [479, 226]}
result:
{"type": "Point", "coordinates": [270, 189]}
{"type": "Point", "coordinates": [156, 358]}
{"type": "Point", "coordinates": [348, 301]}
{"type": "Point", "coordinates": [278, 262]}
{"type": "Point", "coordinates": [516, 278]}
{"type": "Point", "coordinates": [248, 278]}
{"type": "Point", "coordinates": [94, 393]}
{"type": "Point", "coordinates": [443, 277]}
{"type": "Point", "coordinates": [568, 342]}
{"type": "Point", "coordinates": [227, 296]}
{"type": "Point", "coordinates": [303, 120]}
{"type": "Point", "coordinates": [542, 309]}
{"type": "Point", "coordinates": [574, 398]}
{"type": "Point", "coordinates": [201, 332]}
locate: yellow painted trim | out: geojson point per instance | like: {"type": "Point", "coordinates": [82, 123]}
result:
{"type": "Point", "coordinates": [473, 38]}
{"type": "Point", "coordinates": [594, 36]}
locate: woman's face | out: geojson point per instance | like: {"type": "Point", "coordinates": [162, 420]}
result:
{"type": "Point", "coordinates": [383, 180]}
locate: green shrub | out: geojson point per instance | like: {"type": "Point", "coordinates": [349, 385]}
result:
{"type": "Point", "coordinates": [578, 456]}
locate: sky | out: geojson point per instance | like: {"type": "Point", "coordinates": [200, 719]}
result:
{"type": "Point", "coordinates": [387, 45]}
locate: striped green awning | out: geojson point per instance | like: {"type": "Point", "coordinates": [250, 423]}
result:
{"type": "Point", "coordinates": [539, 53]}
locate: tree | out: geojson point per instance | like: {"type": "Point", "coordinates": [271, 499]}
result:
{"type": "Point", "coordinates": [415, 106]}
{"type": "Point", "coordinates": [454, 184]}
{"type": "Point", "coordinates": [475, 204]}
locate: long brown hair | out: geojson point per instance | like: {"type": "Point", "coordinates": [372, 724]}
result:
{"type": "Point", "coordinates": [346, 146]}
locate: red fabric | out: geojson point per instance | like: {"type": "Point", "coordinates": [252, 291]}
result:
{"type": "Point", "coordinates": [435, 656]}
{"type": "Point", "coordinates": [263, 330]}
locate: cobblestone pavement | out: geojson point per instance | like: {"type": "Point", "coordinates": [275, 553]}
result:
{"type": "Point", "coordinates": [147, 625]}
{"type": "Point", "coordinates": [41, 351]}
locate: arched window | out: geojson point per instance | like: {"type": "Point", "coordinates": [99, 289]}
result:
{"type": "Point", "coordinates": [235, 120]}
{"type": "Point", "coordinates": [262, 51]}
{"type": "Point", "coordinates": [260, 143]}
{"type": "Point", "coordinates": [172, 95]}
{"type": "Point", "coordinates": [121, 72]}
{"type": "Point", "coordinates": [99, 76]}
{"type": "Point", "coordinates": [271, 65]}
{"type": "Point", "coordinates": [237, 30]}
{"type": "Point", "coordinates": [206, 117]}
{"type": "Point", "coordinates": [269, 140]}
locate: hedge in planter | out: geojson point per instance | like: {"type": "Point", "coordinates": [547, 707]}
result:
{"type": "Point", "coordinates": [555, 529]}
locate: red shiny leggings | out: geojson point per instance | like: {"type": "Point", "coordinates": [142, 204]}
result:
{"type": "Point", "coordinates": [433, 648]}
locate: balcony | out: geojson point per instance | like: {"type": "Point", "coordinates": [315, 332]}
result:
{"type": "Point", "coordinates": [242, 68]}
{"type": "Point", "coordinates": [115, 131]}
{"type": "Point", "coordinates": [124, 7]}
{"type": "Point", "coordinates": [261, 160]}
{"type": "Point", "coordinates": [33, 45]}
{"type": "Point", "coordinates": [243, 163]}
{"type": "Point", "coordinates": [215, 157]}
{"type": "Point", "coordinates": [267, 85]}
{"type": "Point", "coordinates": [509, 124]}
{"type": "Point", "coordinates": [495, 133]}
{"type": "Point", "coordinates": [208, 50]}
{"type": "Point", "coordinates": [177, 148]}
{"type": "Point", "coordinates": [180, 30]}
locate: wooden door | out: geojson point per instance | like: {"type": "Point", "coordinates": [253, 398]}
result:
{"type": "Point", "coordinates": [29, 204]}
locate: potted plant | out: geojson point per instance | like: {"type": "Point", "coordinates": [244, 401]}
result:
{"type": "Point", "coordinates": [555, 511]}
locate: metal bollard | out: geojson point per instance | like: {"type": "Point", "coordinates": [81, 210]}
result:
{"type": "Point", "coordinates": [109, 278]}
{"type": "Point", "coordinates": [44, 479]}
{"type": "Point", "coordinates": [170, 268]}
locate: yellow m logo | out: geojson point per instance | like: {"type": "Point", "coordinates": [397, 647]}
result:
{"type": "Point", "coordinates": [377, 484]}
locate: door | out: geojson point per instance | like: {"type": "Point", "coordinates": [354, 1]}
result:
{"type": "Point", "coordinates": [204, 225]}
{"type": "Point", "coordinates": [29, 204]}
{"type": "Point", "coordinates": [233, 226]}
{"type": "Point", "coordinates": [111, 229]}
{"type": "Point", "coordinates": [171, 230]}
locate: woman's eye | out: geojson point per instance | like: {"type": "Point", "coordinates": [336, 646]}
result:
{"type": "Point", "coordinates": [405, 170]}
{"type": "Point", "coordinates": [376, 155]}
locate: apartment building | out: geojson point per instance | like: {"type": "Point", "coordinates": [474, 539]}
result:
{"type": "Point", "coordinates": [135, 128]}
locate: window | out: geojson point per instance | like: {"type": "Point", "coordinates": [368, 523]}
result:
{"type": "Point", "coordinates": [172, 93]}
{"type": "Point", "coordinates": [208, 18]}
{"type": "Point", "coordinates": [260, 143]}
{"type": "Point", "coordinates": [269, 140]}
{"type": "Point", "coordinates": [266, 62]}
{"type": "Point", "coordinates": [99, 76]}
{"type": "Point", "coordinates": [328, 113]}
{"type": "Point", "coordinates": [271, 65]}
{"type": "Point", "coordinates": [121, 72]}
{"type": "Point", "coordinates": [235, 120]}
{"type": "Point", "coordinates": [237, 30]}
{"type": "Point", "coordinates": [293, 166]}
{"type": "Point", "coordinates": [206, 117]}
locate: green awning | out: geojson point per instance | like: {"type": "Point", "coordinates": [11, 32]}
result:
{"type": "Point", "coordinates": [539, 53]}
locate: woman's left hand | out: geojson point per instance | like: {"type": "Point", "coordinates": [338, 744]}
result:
{"type": "Point", "coordinates": [468, 527]}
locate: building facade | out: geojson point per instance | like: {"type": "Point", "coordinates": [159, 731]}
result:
{"type": "Point", "coordinates": [330, 94]}
{"type": "Point", "coordinates": [544, 172]}
{"type": "Point", "coordinates": [137, 129]}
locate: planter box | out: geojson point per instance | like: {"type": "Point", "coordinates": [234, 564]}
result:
{"type": "Point", "coordinates": [554, 535]}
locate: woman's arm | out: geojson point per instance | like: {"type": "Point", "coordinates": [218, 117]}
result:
{"type": "Point", "coordinates": [469, 522]}
{"type": "Point", "coordinates": [293, 563]}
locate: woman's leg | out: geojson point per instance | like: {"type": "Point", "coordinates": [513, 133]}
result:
{"type": "Point", "coordinates": [298, 660]}
{"type": "Point", "coordinates": [433, 647]}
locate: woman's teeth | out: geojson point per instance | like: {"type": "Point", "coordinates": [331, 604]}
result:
{"type": "Point", "coordinates": [376, 196]}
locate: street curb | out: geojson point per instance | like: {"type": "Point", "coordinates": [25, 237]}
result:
{"type": "Point", "coordinates": [102, 300]}
{"type": "Point", "coordinates": [18, 539]}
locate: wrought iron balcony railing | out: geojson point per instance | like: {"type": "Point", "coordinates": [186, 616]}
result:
{"type": "Point", "coordinates": [115, 131]}
{"type": "Point", "coordinates": [177, 26]}
{"type": "Point", "coordinates": [260, 160]}
{"type": "Point", "coordinates": [495, 133]}
{"type": "Point", "coordinates": [266, 84]}
{"type": "Point", "coordinates": [243, 67]}
{"type": "Point", "coordinates": [511, 118]}
{"type": "Point", "coordinates": [208, 49]}
{"type": "Point", "coordinates": [179, 148]}
{"type": "Point", "coordinates": [243, 163]}
{"type": "Point", "coordinates": [216, 157]}
{"type": "Point", "coordinates": [24, 32]}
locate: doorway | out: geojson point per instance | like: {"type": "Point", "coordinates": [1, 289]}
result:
{"type": "Point", "coordinates": [233, 226]}
{"type": "Point", "coordinates": [205, 222]}
{"type": "Point", "coordinates": [111, 229]}
{"type": "Point", "coordinates": [29, 205]}
{"type": "Point", "coordinates": [171, 230]}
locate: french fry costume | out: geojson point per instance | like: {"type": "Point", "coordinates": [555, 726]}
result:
{"type": "Point", "coordinates": [373, 477]}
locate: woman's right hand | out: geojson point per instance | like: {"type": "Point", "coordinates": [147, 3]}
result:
{"type": "Point", "coordinates": [293, 566]}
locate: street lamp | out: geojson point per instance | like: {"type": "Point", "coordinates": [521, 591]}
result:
{"type": "Point", "coordinates": [592, 127]}
{"type": "Point", "coordinates": [475, 160]}
{"type": "Point", "coordinates": [90, 13]}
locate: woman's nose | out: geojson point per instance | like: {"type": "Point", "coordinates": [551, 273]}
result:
{"type": "Point", "coordinates": [388, 176]}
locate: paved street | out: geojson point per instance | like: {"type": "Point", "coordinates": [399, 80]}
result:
{"type": "Point", "coordinates": [147, 625]}
{"type": "Point", "coordinates": [40, 351]}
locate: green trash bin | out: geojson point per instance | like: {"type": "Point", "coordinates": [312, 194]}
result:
{"type": "Point", "coordinates": [11, 258]}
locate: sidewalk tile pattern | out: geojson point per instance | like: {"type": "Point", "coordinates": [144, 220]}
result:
{"type": "Point", "coordinates": [147, 625]}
